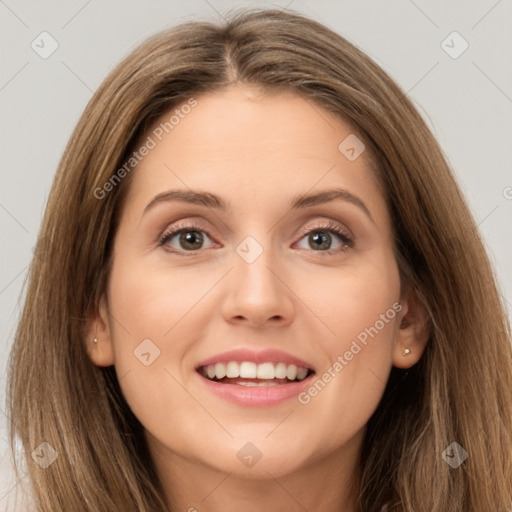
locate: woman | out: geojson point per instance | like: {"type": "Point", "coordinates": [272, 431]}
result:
{"type": "Point", "coordinates": [261, 289]}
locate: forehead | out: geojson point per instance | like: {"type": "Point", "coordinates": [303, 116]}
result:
{"type": "Point", "coordinates": [252, 146]}
{"type": "Point", "coordinates": [242, 121]}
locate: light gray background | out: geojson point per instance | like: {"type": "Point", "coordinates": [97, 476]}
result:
{"type": "Point", "coordinates": [467, 102]}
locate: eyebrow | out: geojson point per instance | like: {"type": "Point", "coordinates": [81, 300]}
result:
{"type": "Point", "coordinates": [298, 202]}
{"type": "Point", "coordinates": [326, 196]}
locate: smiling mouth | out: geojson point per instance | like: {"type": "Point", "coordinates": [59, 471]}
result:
{"type": "Point", "coordinates": [247, 373]}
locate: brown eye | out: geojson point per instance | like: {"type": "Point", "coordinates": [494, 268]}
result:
{"type": "Point", "coordinates": [191, 240]}
{"type": "Point", "coordinates": [184, 238]}
{"type": "Point", "coordinates": [322, 238]}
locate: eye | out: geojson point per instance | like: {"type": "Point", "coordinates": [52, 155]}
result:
{"type": "Point", "coordinates": [320, 238]}
{"type": "Point", "coordinates": [189, 237]}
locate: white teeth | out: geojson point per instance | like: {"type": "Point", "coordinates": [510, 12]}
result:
{"type": "Point", "coordinates": [291, 372]}
{"type": "Point", "coordinates": [249, 370]}
{"type": "Point", "coordinates": [232, 370]}
{"type": "Point", "coordinates": [301, 373]}
{"type": "Point", "coordinates": [280, 371]}
{"type": "Point", "coordinates": [250, 384]}
{"type": "Point", "coordinates": [220, 371]}
{"type": "Point", "coordinates": [266, 371]}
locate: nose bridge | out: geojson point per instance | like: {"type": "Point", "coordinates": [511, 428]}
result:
{"type": "Point", "coordinates": [256, 289]}
{"type": "Point", "coordinates": [255, 258]}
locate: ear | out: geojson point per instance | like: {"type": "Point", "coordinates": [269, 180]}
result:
{"type": "Point", "coordinates": [413, 332]}
{"type": "Point", "coordinates": [101, 353]}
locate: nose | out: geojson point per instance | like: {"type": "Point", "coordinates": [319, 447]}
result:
{"type": "Point", "coordinates": [257, 292]}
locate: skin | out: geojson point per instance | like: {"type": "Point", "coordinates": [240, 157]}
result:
{"type": "Point", "coordinates": [256, 151]}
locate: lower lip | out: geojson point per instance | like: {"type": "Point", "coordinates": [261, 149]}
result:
{"type": "Point", "coordinates": [256, 396]}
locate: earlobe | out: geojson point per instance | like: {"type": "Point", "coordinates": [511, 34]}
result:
{"type": "Point", "coordinates": [413, 331]}
{"type": "Point", "coordinates": [98, 340]}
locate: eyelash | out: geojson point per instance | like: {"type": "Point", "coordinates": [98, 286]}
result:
{"type": "Point", "coordinates": [347, 242]}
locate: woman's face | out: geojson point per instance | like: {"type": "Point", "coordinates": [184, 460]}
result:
{"type": "Point", "coordinates": [258, 268]}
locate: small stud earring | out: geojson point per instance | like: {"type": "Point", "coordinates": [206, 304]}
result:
{"type": "Point", "coordinates": [407, 351]}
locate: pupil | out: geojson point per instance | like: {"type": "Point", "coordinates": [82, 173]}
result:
{"type": "Point", "coordinates": [316, 237]}
{"type": "Point", "coordinates": [191, 237]}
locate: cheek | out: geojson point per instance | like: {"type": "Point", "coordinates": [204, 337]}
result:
{"type": "Point", "coordinates": [358, 308]}
{"type": "Point", "coordinates": [154, 322]}
{"type": "Point", "coordinates": [151, 304]}
{"type": "Point", "coordinates": [355, 300]}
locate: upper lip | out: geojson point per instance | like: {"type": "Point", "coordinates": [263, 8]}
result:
{"type": "Point", "coordinates": [261, 356]}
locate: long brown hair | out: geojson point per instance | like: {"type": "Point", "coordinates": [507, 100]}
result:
{"type": "Point", "coordinates": [460, 390]}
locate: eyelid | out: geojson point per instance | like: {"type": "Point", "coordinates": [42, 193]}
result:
{"type": "Point", "coordinates": [347, 240]}
{"type": "Point", "coordinates": [189, 225]}
{"type": "Point", "coordinates": [329, 225]}
{"type": "Point", "coordinates": [343, 233]}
